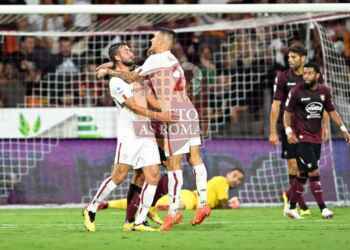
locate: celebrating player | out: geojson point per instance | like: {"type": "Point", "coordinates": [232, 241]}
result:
{"type": "Point", "coordinates": [166, 76]}
{"type": "Point", "coordinates": [133, 150]}
{"type": "Point", "coordinates": [303, 126]}
{"type": "Point", "coordinates": [284, 82]}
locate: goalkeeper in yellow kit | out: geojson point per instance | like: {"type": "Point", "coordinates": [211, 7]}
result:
{"type": "Point", "coordinates": [218, 193]}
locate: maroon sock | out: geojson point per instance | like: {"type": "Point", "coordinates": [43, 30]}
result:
{"type": "Point", "coordinates": [291, 181]}
{"type": "Point", "coordinates": [162, 189]}
{"type": "Point", "coordinates": [132, 207]}
{"type": "Point", "coordinates": [297, 190]}
{"type": "Point", "coordinates": [302, 203]}
{"type": "Point", "coordinates": [132, 189]}
{"type": "Point", "coordinates": [315, 186]}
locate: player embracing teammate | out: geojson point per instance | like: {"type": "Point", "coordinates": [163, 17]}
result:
{"type": "Point", "coordinates": [164, 74]}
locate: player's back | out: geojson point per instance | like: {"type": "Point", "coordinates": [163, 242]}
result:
{"type": "Point", "coordinates": [166, 65]}
{"type": "Point", "coordinates": [217, 190]}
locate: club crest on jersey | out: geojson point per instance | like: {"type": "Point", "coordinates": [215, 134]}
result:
{"type": "Point", "coordinates": [323, 98]}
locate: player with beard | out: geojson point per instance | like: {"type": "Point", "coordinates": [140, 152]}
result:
{"type": "Point", "coordinates": [303, 127]}
{"type": "Point", "coordinates": [284, 82]}
{"type": "Point", "coordinates": [164, 73]}
{"type": "Point", "coordinates": [133, 150]}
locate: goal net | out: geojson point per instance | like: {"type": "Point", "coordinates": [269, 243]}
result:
{"type": "Point", "coordinates": [230, 62]}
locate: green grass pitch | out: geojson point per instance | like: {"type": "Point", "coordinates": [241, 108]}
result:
{"type": "Point", "coordinates": [245, 228]}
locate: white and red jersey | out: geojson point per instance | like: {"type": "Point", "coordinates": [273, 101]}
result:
{"type": "Point", "coordinates": [134, 148]}
{"type": "Point", "coordinates": [127, 120]}
{"type": "Point", "coordinates": [167, 63]}
{"type": "Point", "coordinates": [168, 81]}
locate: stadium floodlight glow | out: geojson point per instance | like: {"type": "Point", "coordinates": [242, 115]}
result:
{"type": "Point", "coordinates": [171, 8]}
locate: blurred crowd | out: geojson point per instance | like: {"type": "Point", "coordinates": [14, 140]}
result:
{"type": "Point", "coordinates": [230, 75]}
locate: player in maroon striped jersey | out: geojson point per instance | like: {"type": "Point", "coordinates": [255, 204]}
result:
{"type": "Point", "coordinates": [284, 82]}
{"type": "Point", "coordinates": [303, 114]}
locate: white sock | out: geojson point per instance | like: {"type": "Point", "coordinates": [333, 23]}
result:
{"type": "Point", "coordinates": [146, 198]}
{"type": "Point", "coordinates": [106, 187]}
{"type": "Point", "coordinates": [175, 182]}
{"type": "Point", "coordinates": [200, 172]}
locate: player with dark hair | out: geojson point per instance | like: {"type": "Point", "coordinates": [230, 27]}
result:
{"type": "Point", "coordinates": [137, 151]}
{"type": "Point", "coordinates": [303, 126]}
{"type": "Point", "coordinates": [284, 82]}
{"type": "Point", "coordinates": [164, 73]}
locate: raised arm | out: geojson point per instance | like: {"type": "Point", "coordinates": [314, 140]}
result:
{"type": "Point", "coordinates": [131, 76]}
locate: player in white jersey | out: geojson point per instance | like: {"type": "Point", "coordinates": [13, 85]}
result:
{"type": "Point", "coordinates": [137, 146]}
{"type": "Point", "coordinates": [166, 76]}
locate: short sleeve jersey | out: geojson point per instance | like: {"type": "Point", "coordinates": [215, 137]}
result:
{"type": "Point", "coordinates": [307, 107]}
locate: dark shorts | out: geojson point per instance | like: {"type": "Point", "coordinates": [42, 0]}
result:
{"type": "Point", "coordinates": [289, 151]}
{"type": "Point", "coordinates": [308, 156]}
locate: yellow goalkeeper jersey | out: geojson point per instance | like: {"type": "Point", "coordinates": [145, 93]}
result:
{"type": "Point", "coordinates": [217, 190]}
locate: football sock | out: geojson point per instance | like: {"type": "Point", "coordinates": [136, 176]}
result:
{"type": "Point", "coordinates": [301, 200]}
{"type": "Point", "coordinates": [146, 199]}
{"type": "Point", "coordinates": [291, 181]}
{"type": "Point", "coordinates": [162, 189]}
{"type": "Point", "coordinates": [106, 187]}
{"type": "Point", "coordinates": [201, 182]}
{"type": "Point", "coordinates": [296, 191]}
{"type": "Point", "coordinates": [132, 207]}
{"type": "Point", "coordinates": [131, 191]}
{"type": "Point", "coordinates": [133, 200]}
{"type": "Point", "coordinates": [316, 189]}
{"type": "Point", "coordinates": [174, 186]}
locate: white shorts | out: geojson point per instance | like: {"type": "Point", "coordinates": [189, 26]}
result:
{"type": "Point", "coordinates": [184, 149]}
{"type": "Point", "coordinates": [138, 153]}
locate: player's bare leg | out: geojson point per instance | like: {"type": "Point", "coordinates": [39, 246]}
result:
{"type": "Point", "coordinates": [152, 176]}
{"type": "Point", "coordinates": [175, 182]}
{"type": "Point", "coordinates": [200, 172]}
{"type": "Point", "coordinates": [119, 173]}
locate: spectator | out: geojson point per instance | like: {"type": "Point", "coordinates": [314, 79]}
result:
{"type": "Point", "coordinates": [65, 61]}
{"type": "Point", "coordinates": [206, 63]}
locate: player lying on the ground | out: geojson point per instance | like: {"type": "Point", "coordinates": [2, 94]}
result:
{"type": "Point", "coordinates": [218, 196]}
{"type": "Point", "coordinates": [166, 76]}
{"type": "Point", "coordinates": [303, 125]}
{"type": "Point", "coordinates": [133, 150]}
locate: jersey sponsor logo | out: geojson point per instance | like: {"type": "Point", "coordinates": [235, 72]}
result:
{"type": "Point", "coordinates": [314, 109]}
{"type": "Point", "coordinates": [304, 99]}
{"type": "Point", "coordinates": [291, 83]}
